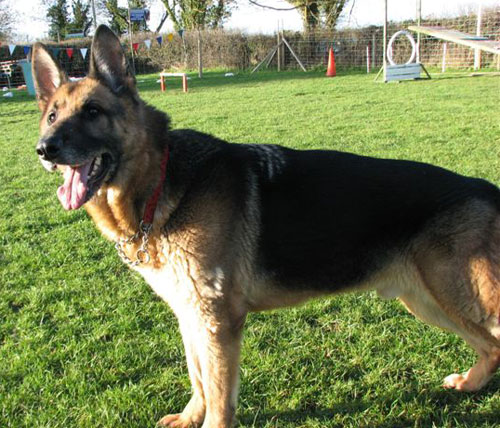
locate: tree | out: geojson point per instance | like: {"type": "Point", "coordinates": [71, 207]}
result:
{"type": "Point", "coordinates": [315, 13]}
{"type": "Point", "coordinates": [81, 21]}
{"type": "Point", "coordinates": [219, 12]}
{"type": "Point", "coordinates": [198, 14]}
{"type": "Point", "coordinates": [7, 20]}
{"type": "Point", "coordinates": [118, 16]}
{"type": "Point", "coordinates": [58, 17]}
{"type": "Point", "coordinates": [62, 23]}
{"type": "Point", "coordinates": [319, 13]}
{"type": "Point", "coordinates": [332, 11]}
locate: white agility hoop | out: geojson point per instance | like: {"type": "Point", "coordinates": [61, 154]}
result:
{"type": "Point", "coordinates": [413, 46]}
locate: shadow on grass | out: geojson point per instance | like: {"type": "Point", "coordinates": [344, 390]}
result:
{"type": "Point", "coordinates": [447, 405]}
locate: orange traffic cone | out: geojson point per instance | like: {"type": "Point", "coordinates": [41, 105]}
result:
{"type": "Point", "coordinates": [330, 72]}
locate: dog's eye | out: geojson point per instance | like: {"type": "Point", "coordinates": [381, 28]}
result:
{"type": "Point", "coordinates": [93, 111]}
{"type": "Point", "coordinates": [51, 118]}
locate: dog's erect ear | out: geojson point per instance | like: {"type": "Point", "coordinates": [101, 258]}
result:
{"type": "Point", "coordinates": [108, 63]}
{"type": "Point", "coordinates": [47, 74]}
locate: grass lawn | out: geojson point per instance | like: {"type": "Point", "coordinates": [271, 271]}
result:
{"type": "Point", "coordinates": [86, 343]}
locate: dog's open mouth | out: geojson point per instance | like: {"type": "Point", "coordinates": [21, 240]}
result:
{"type": "Point", "coordinates": [82, 181]}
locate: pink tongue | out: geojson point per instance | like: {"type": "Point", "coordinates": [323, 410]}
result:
{"type": "Point", "coordinates": [72, 192]}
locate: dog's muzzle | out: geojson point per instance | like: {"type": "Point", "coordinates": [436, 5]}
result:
{"type": "Point", "coordinates": [48, 149]}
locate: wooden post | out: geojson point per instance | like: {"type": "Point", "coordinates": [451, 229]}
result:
{"type": "Point", "coordinates": [294, 54]}
{"type": "Point", "coordinates": [419, 20]}
{"type": "Point", "coordinates": [279, 50]}
{"type": "Point", "coordinates": [384, 63]}
{"type": "Point", "coordinates": [184, 51]}
{"type": "Point", "coordinates": [367, 59]}
{"type": "Point", "coordinates": [130, 37]}
{"type": "Point", "coordinates": [94, 15]}
{"type": "Point", "coordinates": [477, 52]}
{"type": "Point", "coordinates": [200, 57]}
{"type": "Point", "coordinates": [374, 49]}
{"type": "Point", "coordinates": [267, 59]}
{"type": "Point", "coordinates": [282, 48]}
{"type": "Point", "coordinates": [443, 64]}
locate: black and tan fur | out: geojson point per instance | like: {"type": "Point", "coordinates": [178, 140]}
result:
{"type": "Point", "coordinates": [242, 228]}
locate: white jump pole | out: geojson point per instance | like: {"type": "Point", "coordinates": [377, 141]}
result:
{"type": "Point", "coordinates": [385, 41]}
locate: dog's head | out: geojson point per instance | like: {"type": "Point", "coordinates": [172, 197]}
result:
{"type": "Point", "coordinates": [85, 124]}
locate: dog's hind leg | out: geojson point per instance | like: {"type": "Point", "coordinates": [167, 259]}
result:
{"type": "Point", "coordinates": [425, 308]}
{"type": "Point", "coordinates": [478, 376]}
{"type": "Point", "coordinates": [483, 277]}
{"type": "Point", "coordinates": [459, 290]}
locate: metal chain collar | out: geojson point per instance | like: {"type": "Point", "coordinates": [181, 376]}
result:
{"type": "Point", "coordinates": [142, 254]}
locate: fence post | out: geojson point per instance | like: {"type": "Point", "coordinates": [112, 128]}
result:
{"type": "Point", "coordinates": [443, 64]}
{"type": "Point", "coordinates": [385, 41]}
{"type": "Point", "coordinates": [477, 52]}
{"type": "Point", "coordinates": [279, 47]}
{"type": "Point", "coordinates": [419, 21]}
{"type": "Point", "coordinates": [374, 45]}
{"type": "Point", "coordinates": [130, 38]}
{"type": "Point", "coordinates": [367, 59]}
{"type": "Point", "coordinates": [200, 56]}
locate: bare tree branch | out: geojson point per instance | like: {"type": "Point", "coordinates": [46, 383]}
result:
{"type": "Point", "coordinates": [276, 8]}
{"type": "Point", "coordinates": [162, 21]}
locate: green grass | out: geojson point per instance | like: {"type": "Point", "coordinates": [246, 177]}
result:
{"type": "Point", "coordinates": [85, 343]}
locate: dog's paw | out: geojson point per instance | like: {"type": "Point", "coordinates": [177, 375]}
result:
{"type": "Point", "coordinates": [177, 421]}
{"type": "Point", "coordinates": [458, 382]}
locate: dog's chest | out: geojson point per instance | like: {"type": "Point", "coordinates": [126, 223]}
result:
{"type": "Point", "coordinates": [185, 285]}
{"type": "Point", "coordinates": [167, 283]}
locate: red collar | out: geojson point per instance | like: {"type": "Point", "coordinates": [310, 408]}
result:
{"type": "Point", "coordinates": [149, 212]}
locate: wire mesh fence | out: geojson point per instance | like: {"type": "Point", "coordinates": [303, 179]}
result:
{"type": "Point", "coordinates": [360, 48]}
{"type": "Point", "coordinates": [363, 48]}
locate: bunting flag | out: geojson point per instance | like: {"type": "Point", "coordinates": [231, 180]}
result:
{"type": "Point", "coordinates": [181, 32]}
{"type": "Point", "coordinates": [11, 48]}
{"type": "Point", "coordinates": [135, 46]}
{"type": "Point", "coordinates": [147, 43]}
{"type": "Point", "coordinates": [55, 51]}
{"type": "Point", "coordinates": [69, 52]}
{"type": "Point", "coordinates": [170, 37]}
{"type": "Point", "coordinates": [159, 40]}
{"type": "Point", "coordinates": [83, 51]}
{"type": "Point", "coordinates": [27, 50]}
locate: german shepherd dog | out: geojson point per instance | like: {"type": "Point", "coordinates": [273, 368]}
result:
{"type": "Point", "coordinates": [220, 229]}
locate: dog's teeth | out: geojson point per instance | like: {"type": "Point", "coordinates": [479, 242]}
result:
{"type": "Point", "coordinates": [95, 167]}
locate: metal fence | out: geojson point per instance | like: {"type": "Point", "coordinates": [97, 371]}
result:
{"type": "Point", "coordinates": [363, 48]}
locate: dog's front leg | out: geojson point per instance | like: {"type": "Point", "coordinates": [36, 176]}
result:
{"type": "Point", "coordinates": [194, 413]}
{"type": "Point", "coordinates": [219, 358]}
{"type": "Point", "coordinates": [212, 345]}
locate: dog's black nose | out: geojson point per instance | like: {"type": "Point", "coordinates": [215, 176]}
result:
{"type": "Point", "coordinates": [48, 149]}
